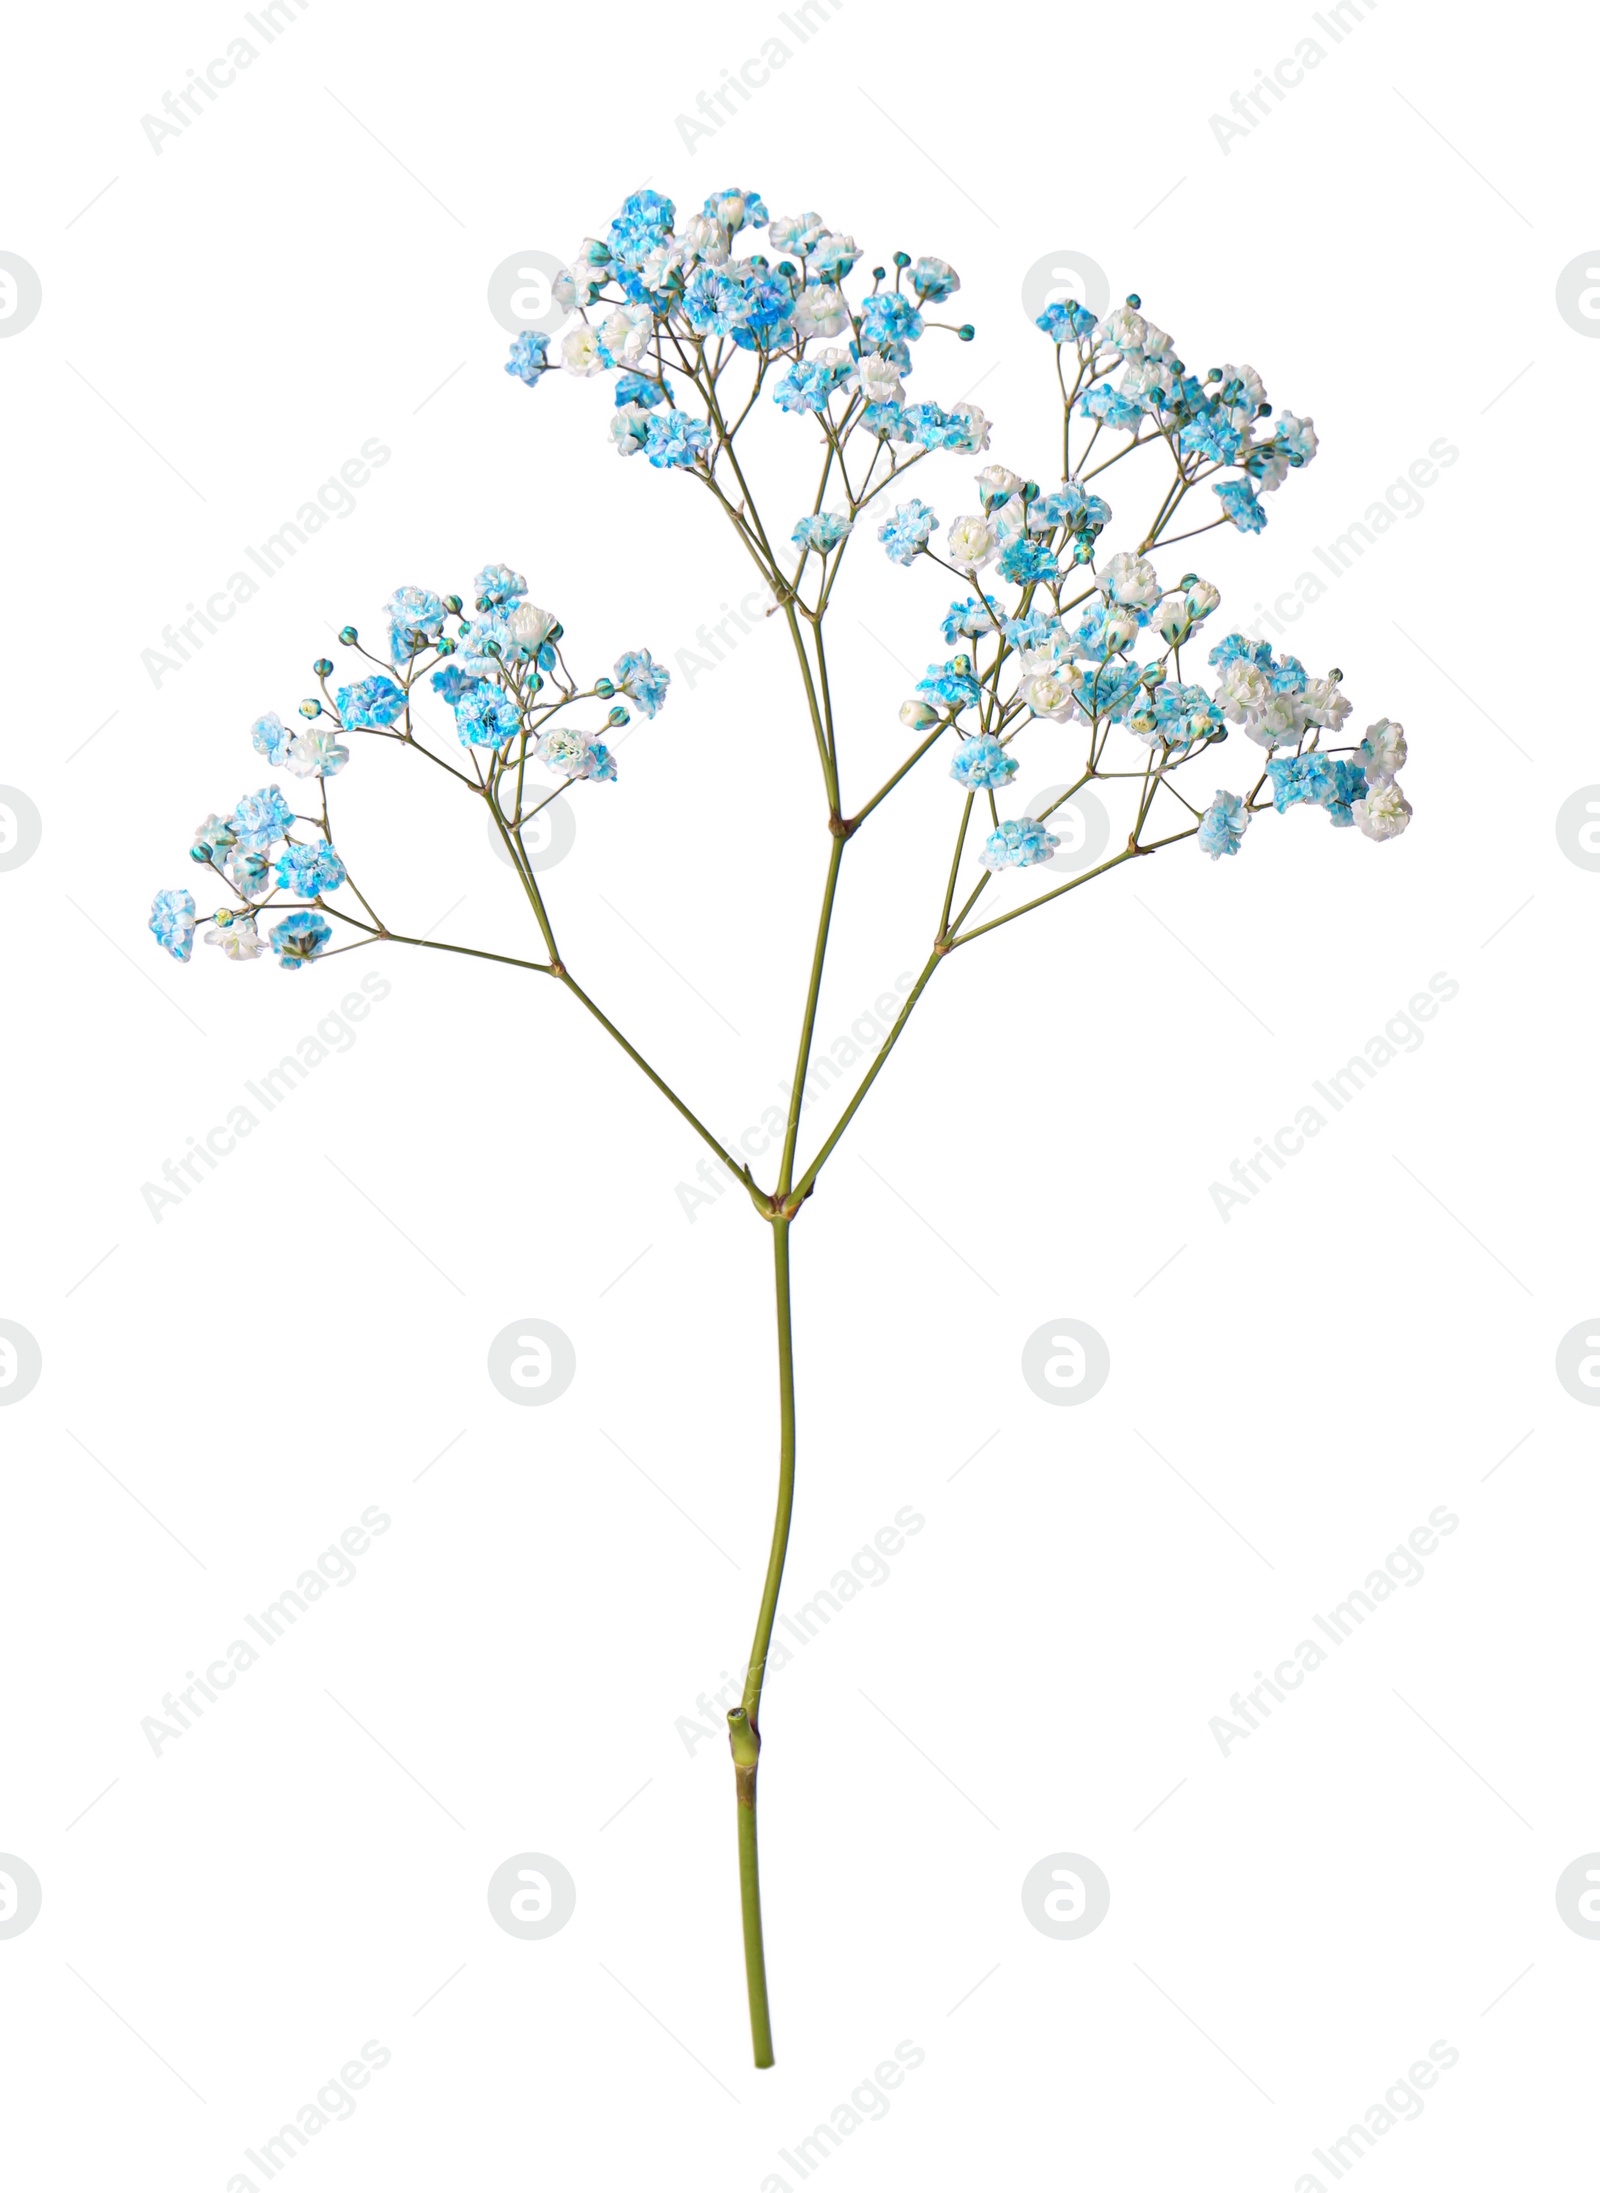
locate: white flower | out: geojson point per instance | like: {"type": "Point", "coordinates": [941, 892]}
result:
{"type": "Point", "coordinates": [1172, 619]}
{"type": "Point", "coordinates": [626, 334]}
{"type": "Point", "coordinates": [1279, 723]}
{"type": "Point", "coordinates": [706, 238]}
{"type": "Point", "coordinates": [796, 232]}
{"type": "Point", "coordinates": [996, 484]}
{"type": "Point", "coordinates": [972, 544]}
{"type": "Point", "coordinates": [821, 311]}
{"type": "Point", "coordinates": [1323, 704]}
{"type": "Point", "coordinates": [1124, 329]}
{"type": "Point", "coordinates": [1053, 693]}
{"type": "Point", "coordinates": [1119, 627]}
{"type": "Point", "coordinates": [1383, 750]}
{"type": "Point", "coordinates": [315, 754]}
{"type": "Point", "coordinates": [580, 352]}
{"type": "Point", "coordinates": [1252, 395]}
{"type": "Point", "coordinates": [1143, 377]}
{"type": "Point", "coordinates": [1384, 812]}
{"type": "Point", "coordinates": [1244, 690]}
{"type": "Point", "coordinates": [1202, 598]}
{"type": "Point", "coordinates": [917, 715]}
{"type": "Point", "coordinates": [1130, 580]}
{"type": "Point", "coordinates": [530, 626]}
{"type": "Point", "coordinates": [880, 382]}
{"type": "Point", "coordinates": [627, 428]}
{"type": "Point", "coordinates": [239, 939]}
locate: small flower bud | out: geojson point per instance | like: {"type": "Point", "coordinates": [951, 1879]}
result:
{"type": "Point", "coordinates": [349, 636]}
{"type": "Point", "coordinates": [447, 646]}
{"type": "Point", "coordinates": [201, 853]}
{"type": "Point", "coordinates": [965, 332]}
{"type": "Point", "coordinates": [322, 668]}
{"type": "Point", "coordinates": [604, 688]}
{"type": "Point", "coordinates": [310, 709]}
{"type": "Point", "coordinates": [902, 258]}
{"type": "Point", "coordinates": [917, 715]}
{"type": "Point", "coordinates": [617, 718]}
{"type": "Point", "coordinates": [452, 602]}
{"type": "Point", "coordinates": [223, 917]}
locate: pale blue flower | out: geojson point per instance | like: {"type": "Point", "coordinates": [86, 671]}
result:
{"type": "Point", "coordinates": [260, 818]}
{"type": "Point", "coordinates": [371, 705]}
{"type": "Point", "coordinates": [638, 388]}
{"type": "Point", "coordinates": [970, 620]}
{"type": "Point", "coordinates": [1067, 322]}
{"type": "Point", "coordinates": [645, 682]}
{"type": "Point", "coordinates": [268, 736]}
{"type": "Point", "coordinates": [629, 429]}
{"type": "Point", "coordinates": [1239, 504]}
{"type": "Point", "coordinates": [934, 280]}
{"type": "Point", "coordinates": [498, 585]}
{"type": "Point", "coordinates": [1021, 844]}
{"type": "Point", "coordinates": [416, 619]}
{"type": "Point", "coordinates": [172, 922]}
{"type": "Point", "coordinates": [1318, 780]}
{"type": "Point", "coordinates": [823, 531]}
{"type": "Point", "coordinates": [485, 716]}
{"type": "Point", "coordinates": [1026, 563]}
{"type": "Point", "coordinates": [982, 764]}
{"type": "Point", "coordinates": [907, 531]}
{"type": "Point", "coordinates": [1222, 825]}
{"type": "Point", "coordinates": [889, 318]}
{"type": "Point", "coordinates": [528, 357]}
{"type": "Point", "coordinates": [676, 439]}
{"type": "Point", "coordinates": [299, 937]}
{"type": "Point", "coordinates": [249, 872]}
{"type": "Point", "coordinates": [309, 870]}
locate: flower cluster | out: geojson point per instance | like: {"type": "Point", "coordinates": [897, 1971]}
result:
{"type": "Point", "coordinates": [497, 668]}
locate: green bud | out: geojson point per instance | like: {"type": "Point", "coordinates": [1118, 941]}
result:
{"type": "Point", "coordinates": [604, 687]}
{"type": "Point", "coordinates": [322, 668]}
{"type": "Point", "coordinates": [617, 718]}
{"type": "Point", "coordinates": [349, 636]}
{"type": "Point", "coordinates": [452, 602]}
{"type": "Point", "coordinates": [965, 333]}
{"type": "Point", "coordinates": [201, 853]}
{"type": "Point", "coordinates": [902, 258]}
{"type": "Point", "coordinates": [447, 646]}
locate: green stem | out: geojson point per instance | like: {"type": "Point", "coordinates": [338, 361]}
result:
{"type": "Point", "coordinates": [744, 1722]}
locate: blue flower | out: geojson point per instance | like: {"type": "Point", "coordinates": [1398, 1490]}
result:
{"type": "Point", "coordinates": [1214, 435]}
{"type": "Point", "coordinates": [172, 922]}
{"type": "Point", "coordinates": [416, 619]}
{"type": "Point", "coordinates": [889, 318]}
{"type": "Point", "coordinates": [950, 682]}
{"type": "Point", "coordinates": [832, 257]}
{"type": "Point", "coordinates": [928, 426]}
{"type": "Point", "coordinates": [1239, 504]}
{"type": "Point", "coordinates": [1318, 780]}
{"type": "Point", "coordinates": [884, 420]}
{"type": "Point", "coordinates": [299, 937]}
{"type": "Point", "coordinates": [1032, 630]}
{"type": "Point", "coordinates": [485, 716]}
{"type": "Point", "coordinates": [1021, 844]}
{"type": "Point", "coordinates": [907, 531]}
{"type": "Point", "coordinates": [268, 736]}
{"type": "Point", "coordinates": [1070, 506]}
{"type": "Point", "coordinates": [970, 620]}
{"type": "Point", "coordinates": [260, 818]}
{"type": "Point", "coordinates": [370, 705]}
{"type": "Point", "coordinates": [309, 870]}
{"type": "Point", "coordinates": [451, 682]}
{"type": "Point", "coordinates": [1111, 410]}
{"type": "Point", "coordinates": [808, 384]}
{"type": "Point", "coordinates": [740, 299]}
{"type": "Point", "coordinates": [498, 585]}
{"type": "Point", "coordinates": [823, 531]}
{"type": "Point", "coordinates": [527, 360]}
{"type": "Point", "coordinates": [1222, 825]}
{"type": "Point", "coordinates": [676, 439]}
{"type": "Point", "coordinates": [1026, 562]}
{"type": "Point", "coordinates": [634, 388]}
{"type": "Point", "coordinates": [644, 681]}
{"type": "Point", "coordinates": [1066, 322]}
{"type": "Point", "coordinates": [982, 764]}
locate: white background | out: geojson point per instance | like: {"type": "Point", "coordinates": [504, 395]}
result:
{"type": "Point", "coordinates": [305, 268]}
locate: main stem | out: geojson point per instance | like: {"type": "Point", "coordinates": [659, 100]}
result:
{"type": "Point", "coordinates": [744, 1722]}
